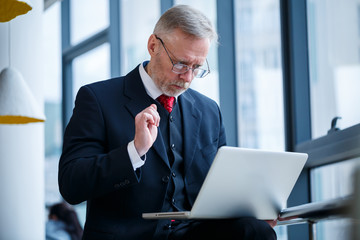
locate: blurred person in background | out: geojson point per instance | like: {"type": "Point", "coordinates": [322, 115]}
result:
{"type": "Point", "coordinates": [63, 223]}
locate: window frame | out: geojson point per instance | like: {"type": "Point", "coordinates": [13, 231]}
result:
{"type": "Point", "coordinates": [227, 69]}
{"type": "Point", "coordinates": [336, 146]}
{"type": "Point", "coordinates": [111, 35]}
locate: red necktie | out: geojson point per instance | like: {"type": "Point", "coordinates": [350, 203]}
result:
{"type": "Point", "coordinates": [166, 101]}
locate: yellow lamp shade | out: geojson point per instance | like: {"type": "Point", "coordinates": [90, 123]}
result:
{"type": "Point", "coordinates": [10, 9]}
{"type": "Point", "coordinates": [17, 104]}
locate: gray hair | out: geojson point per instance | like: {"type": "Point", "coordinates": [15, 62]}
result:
{"type": "Point", "coordinates": [189, 20]}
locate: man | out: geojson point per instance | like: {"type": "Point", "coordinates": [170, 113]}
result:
{"type": "Point", "coordinates": [144, 142]}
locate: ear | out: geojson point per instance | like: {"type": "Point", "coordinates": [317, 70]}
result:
{"type": "Point", "coordinates": [152, 45]}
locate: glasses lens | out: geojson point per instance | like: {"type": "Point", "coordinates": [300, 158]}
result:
{"type": "Point", "coordinates": [180, 68]}
{"type": "Point", "coordinates": [200, 73]}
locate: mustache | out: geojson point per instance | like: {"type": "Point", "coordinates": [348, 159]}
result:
{"type": "Point", "coordinates": [182, 84]}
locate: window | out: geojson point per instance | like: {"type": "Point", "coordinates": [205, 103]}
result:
{"type": "Point", "coordinates": [88, 17]}
{"type": "Point", "coordinates": [259, 74]}
{"type": "Point", "coordinates": [334, 63]}
{"type": "Point", "coordinates": [334, 78]}
{"type": "Point", "coordinates": [136, 30]}
{"type": "Point", "coordinates": [91, 67]}
{"type": "Point", "coordinates": [86, 53]}
{"type": "Point", "coordinates": [317, 85]}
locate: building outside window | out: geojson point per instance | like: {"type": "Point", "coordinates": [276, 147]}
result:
{"type": "Point", "coordinates": [259, 74]}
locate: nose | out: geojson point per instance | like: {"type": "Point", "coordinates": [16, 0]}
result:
{"type": "Point", "coordinates": [188, 76]}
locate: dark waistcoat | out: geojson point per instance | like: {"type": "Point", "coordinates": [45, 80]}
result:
{"type": "Point", "coordinates": [171, 129]}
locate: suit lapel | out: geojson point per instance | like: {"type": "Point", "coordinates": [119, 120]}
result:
{"type": "Point", "coordinates": [191, 122]}
{"type": "Point", "coordinates": [139, 100]}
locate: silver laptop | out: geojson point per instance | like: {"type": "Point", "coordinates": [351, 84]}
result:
{"type": "Point", "coordinates": [244, 182]}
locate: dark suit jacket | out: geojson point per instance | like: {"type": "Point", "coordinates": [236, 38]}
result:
{"type": "Point", "coordinates": [95, 165]}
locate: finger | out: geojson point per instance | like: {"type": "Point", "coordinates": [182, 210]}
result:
{"type": "Point", "coordinates": [157, 115]}
{"type": "Point", "coordinates": [153, 111]}
{"type": "Point", "coordinates": [143, 119]}
{"type": "Point", "coordinates": [149, 118]}
{"type": "Point", "coordinates": [153, 106]}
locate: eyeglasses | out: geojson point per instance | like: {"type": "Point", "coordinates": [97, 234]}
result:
{"type": "Point", "coordinates": [180, 68]}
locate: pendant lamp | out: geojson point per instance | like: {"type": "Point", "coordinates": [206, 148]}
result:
{"type": "Point", "coordinates": [10, 9]}
{"type": "Point", "coordinates": [17, 104]}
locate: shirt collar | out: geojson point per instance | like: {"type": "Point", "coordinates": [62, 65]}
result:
{"type": "Point", "coordinates": [151, 89]}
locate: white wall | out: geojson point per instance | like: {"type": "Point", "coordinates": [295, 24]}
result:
{"type": "Point", "coordinates": [22, 213]}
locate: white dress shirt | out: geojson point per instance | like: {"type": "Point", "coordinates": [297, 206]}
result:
{"type": "Point", "coordinates": [154, 92]}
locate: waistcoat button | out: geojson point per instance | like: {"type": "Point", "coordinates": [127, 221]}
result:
{"type": "Point", "coordinates": [165, 179]}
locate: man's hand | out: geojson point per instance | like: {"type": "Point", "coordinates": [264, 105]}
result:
{"type": "Point", "coordinates": [146, 123]}
{"type": "Point", "coordinates": [272, 223]}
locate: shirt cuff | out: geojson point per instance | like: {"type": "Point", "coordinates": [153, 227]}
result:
{"type": "Point", "coordinates": [134, 156]}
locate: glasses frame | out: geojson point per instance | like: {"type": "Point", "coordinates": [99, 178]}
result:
{"type": "Point", "coordinates": [200, 72]}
